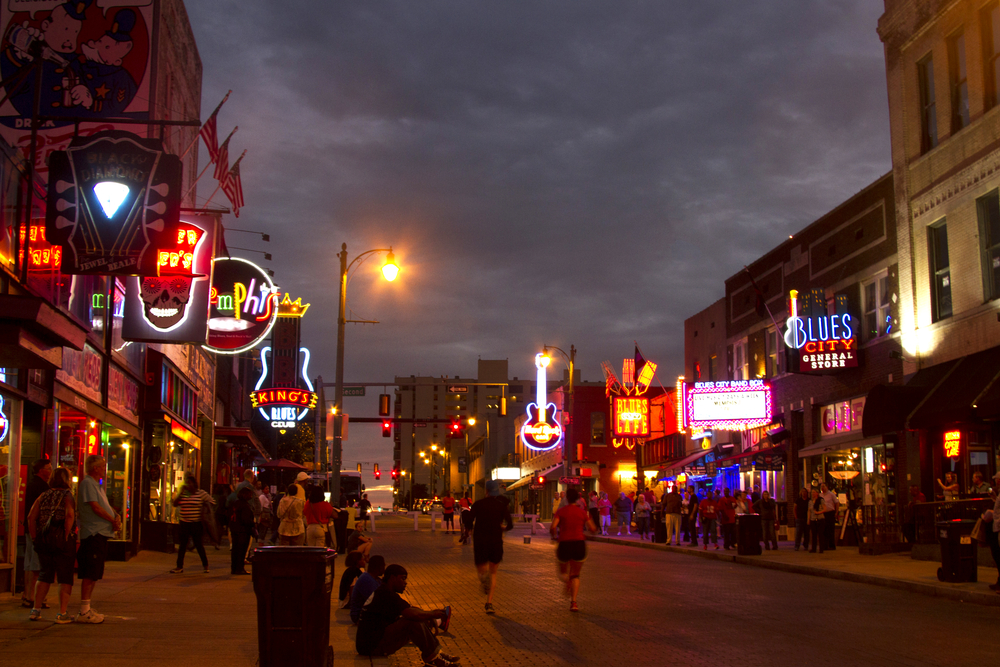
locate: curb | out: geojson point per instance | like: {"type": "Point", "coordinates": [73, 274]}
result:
{"type": "Point", "coordinates": [975, 597]}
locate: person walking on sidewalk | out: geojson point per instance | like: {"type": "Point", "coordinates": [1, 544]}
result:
{"type": "Point", "coordinates": [708, 511]}
{"type": "Point", "coordinates": [727, 518]}
{"type": "Point", "coordinates": [448, 512]}
{"type": "Point", "coordinates": [768, 510]}
{"type": "Point", "coordinates": [98, 524]}
{"type": "Point", "coordinates": [192, 502]}
{"type": "Point", "coordinates": [692, 514]}
{"type": "Point", "coordinates": [802, 519]}
{"type": "Point", "coordinates": [830, 506]}
{"type": "Point", "coordinates": [672, 507]}
{"type": "Point", "coordinates": [993, 533]}
{"type": "Point", "coordinates": [592, 509]}
{"type": "Point", "coordinates": [568, 524]}
{"type": "Point", "coordinates": [242, 528]}
{"type": "Point", "coordinates": [364, 508]}
{"type": "Point", "coordinates": [465, 505]}
{"type": "Point", "coordinates": [489, 519]}
{"type": "Point", "coordinates": [317, 514]}
{"type": "Point", "coordinates": [604, 507]}
{"type": "Point", "coordinates": [388, 623]}
{"type": "Point", "coordinates": [39, 484]}
{"type": "Point", "coordinates": [52, 527]}
{"type": "Point", "coordinates": [292, 529]}
{"type": "Point", "coordinates": [623, 509]}
{"type": "Point", "coordinates": [817, 517]}
{"type": "Point", "coordinates": [685, 506]}
{"type": "Point", "coordinates": [642, 515]}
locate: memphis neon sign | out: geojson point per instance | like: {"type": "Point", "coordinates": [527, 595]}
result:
{"type": "Point", "coordinates": [728, 406]}
{"type": "Point", "coordinates": [541, 431]}
{"type": "Point", "coordinates": [952, 444]}
{"type": "Point", "coordinates": [631, 417]}
{"type": "Point", "coordinates": [824, 341]}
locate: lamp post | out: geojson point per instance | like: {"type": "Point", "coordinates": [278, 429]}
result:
{"type": "Point", "coordinates": [568, 438]}
{"type": "Point", "coordinates": [389, 271]}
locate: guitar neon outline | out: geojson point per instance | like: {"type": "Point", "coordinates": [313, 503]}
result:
{"type": "Point", "coordinates": [541, 431]}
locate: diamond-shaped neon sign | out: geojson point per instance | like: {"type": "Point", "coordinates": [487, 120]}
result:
{"type": "Point", "coordinates": [110, 195]}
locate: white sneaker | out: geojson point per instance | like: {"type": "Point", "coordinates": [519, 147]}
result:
{"type": "Point", "coordinates": [90, 617]}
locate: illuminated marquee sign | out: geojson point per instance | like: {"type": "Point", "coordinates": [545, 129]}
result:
{"type": "Point", "coordinates": [824, 342]}
{"type": "Point", "coordinates": [541, 431]}
{"type": "Point", "coordinates": [113, 201]}
{"type": "Point", "coordinates": [243, 305]}
{"type": "Point", "coordinates": [629, 412]}
{"type": "Point", "coordinates": [283, 407]}
{"type": "Point", "coordinates": [631, 417]}
{"type": "Point", "coordinates": [729, 406]}
{"type": "Point", "coordinates": [952, 444]}
{"type": "Point", "coordinates": [44, 256]}
{"type": "Point", "coordinates": [4, 422]}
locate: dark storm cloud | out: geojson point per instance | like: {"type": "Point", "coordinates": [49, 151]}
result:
{"type": "Point", "coordinates": [548, 172]}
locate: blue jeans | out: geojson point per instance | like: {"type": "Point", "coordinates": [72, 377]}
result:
{"type": "Point", "coordinates": [708, 529]}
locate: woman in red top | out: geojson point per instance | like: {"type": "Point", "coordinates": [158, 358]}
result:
{"type": "Point", "coordinates": [318, 514]}
{"type": "Point", "coordinates": [572, 550]}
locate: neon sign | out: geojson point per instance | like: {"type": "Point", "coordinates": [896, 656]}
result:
{"type": "Point", "coordinates": [43, 255]}
{"type": "Point", "coordinates": [289, 308]}
{"type": "Point", "coordinates": [243, 306]}
{"type": "Point", "coordinates": [631, 417]}
{"type": "Point", "coordinates": [630, 414]}
{"type": "Point", "coordinates": [952, 444]}
{"type": "Point", "coordinates": [541, 431]}
{"type": "Point", "coordinates": [179, 259]}
{"type": "Point", "coordinates": [824, 341]}
{"type": "Point", "coordinates": [4, 422]}
{"type": "Point", "coordinates": [283, 407]}
{"type": "Point", "coordinates": [729, 406]}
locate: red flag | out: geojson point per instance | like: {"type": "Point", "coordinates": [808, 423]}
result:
{"type": "Point", "coordinates": [209, 132]}
{"type": "Point", "coordinates": [233, 187]}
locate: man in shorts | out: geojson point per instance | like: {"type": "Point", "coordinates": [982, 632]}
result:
{"type": "Point", "coordinates": [489, 519]}
{"type": "Point", "coordinates": [98, 523]}
{"type": "Point", "coordinates": [568, 524]}
{"type": "Point", "coordinates": [39, 484]}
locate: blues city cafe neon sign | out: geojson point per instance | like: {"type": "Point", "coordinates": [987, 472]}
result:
{"type": "Point", "coordinates": [631, 416]}
{"type": "Point", "coordinates": [824, 341]}
{"type": "Point", "coordinates": [541, 431]}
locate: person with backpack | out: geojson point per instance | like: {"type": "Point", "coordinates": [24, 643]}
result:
{"type": "Point", "coordinates": [242, 527]}
{"type": "Point", "coordinates": [191, 502]}
{"type": "Point", "coordinates": [52, 528]}
{"type": "Point", "coordinates": [448, 512]}
{"type": "Point", "coordinates": [292, 529]}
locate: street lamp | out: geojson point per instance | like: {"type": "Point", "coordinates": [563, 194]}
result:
{"type": "Point", "coordinates": [568, 438]}
{"type": "Point", "coordinates": [389, 271]}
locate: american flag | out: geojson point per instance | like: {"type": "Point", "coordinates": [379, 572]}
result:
{"type": "Point", "coordinates": [210, 131]}
{"type": "Point", "coordinates": [222, 161]}
{"type": "Point", "coordinates": [233, 187]}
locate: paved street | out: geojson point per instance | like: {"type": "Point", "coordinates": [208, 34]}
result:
{"type": "Point", "coordinates": [637, 605]}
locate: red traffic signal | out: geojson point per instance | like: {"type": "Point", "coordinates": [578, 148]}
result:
{"type": "Point", "coordinates": [541, 480]}
{"type": "Point", "coordinates": [456, 430]}
{"type": "Point", "coordinates": [394, 473]}
{"type": "Point", "coordinates": [386, 428]}
{"type": "Point", "coordinates": [378, 473]}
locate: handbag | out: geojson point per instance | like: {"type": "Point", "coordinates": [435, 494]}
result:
{"type": "Point", "coordinates": [979, 531]}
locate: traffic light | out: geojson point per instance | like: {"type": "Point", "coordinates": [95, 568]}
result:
{"type": "Point", "coordinates": [386, 428]}
{"type": "Point", "coordinates": [456, 430]}
{"type": "Point", "coordinates": [384, 405]}
{"type": "Point", "coordinates": [378, 473]}
{"type": "Point", "coordinates": [394, 473]}
{"type": "Point", "coordinates": [503, 406]}
{"type": "Point", "coordinates": [541, 479]}
{"type": "Point", "coordinates": [359, 467]}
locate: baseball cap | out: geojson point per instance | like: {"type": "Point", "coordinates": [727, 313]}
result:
{"type": "Point", "coordinates": [492, 488]}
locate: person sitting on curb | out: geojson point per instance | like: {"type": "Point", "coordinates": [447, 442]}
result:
{"type": "Point", "coordinates": [366, 584]}
{"type": "Point", "coordinates": [353, 565]}
{"type": "Point", "coordinates": [388, 623]}
{"type": "Point", "coordinates": [358, 541]}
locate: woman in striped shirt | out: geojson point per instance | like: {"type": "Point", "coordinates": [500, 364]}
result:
{"type": "Point", "coordinates": [190, 502]}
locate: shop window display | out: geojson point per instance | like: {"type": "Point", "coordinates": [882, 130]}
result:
{"type": "Point", "coordinates": [10, 475]}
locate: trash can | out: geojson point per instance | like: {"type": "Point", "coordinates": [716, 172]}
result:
{"type": "Point", "coordinates": [659, 528]}
{"type": "Point", "coordinates": [748, 534]}
{"type": "Point", "coordinates": [958, 551]}
{"type": "Point", "coordinates": [294, 587]}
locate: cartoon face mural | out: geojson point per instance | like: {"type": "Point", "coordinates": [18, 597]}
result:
{"type": "Point", "coordinates": [165, 300]}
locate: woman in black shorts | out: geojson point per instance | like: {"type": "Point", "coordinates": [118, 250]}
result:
{"type": "Point", "coordinates": [569, 523]}
{"type": "Point", "coordinates": [57, 552]}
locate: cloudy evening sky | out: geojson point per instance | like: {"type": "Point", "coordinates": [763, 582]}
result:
{"type": "Point", "coordinates": [565, 172]}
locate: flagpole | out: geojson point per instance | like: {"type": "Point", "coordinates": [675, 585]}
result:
{"type": "Point", "coordinates": [759, 293]}
{"type": "Point", "coordinates": [198, 134]}
{"type": "Point", "coordinates": [210, 163]}
{"type": "Point", "coordinates": [219, 186]}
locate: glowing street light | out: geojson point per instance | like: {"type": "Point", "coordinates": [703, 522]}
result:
{"type": "Point", "coordinates": [390, 269]}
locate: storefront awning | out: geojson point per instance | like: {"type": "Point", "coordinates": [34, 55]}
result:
{"type": "Point", "coordinates": [764, 452]}
{"type": "Point", "coordinates": [527, 478]}
{"type": "Point", "coordinates": [828, 446]}
{"type": "Point", "coordinates": [954, 397]}
{"type": "Point", "coordinates": [240, 436]}
{"type": "Point", "coordinates": [687, 460]}
{"type": "Point", "coordinates": [33, 332]}
{"type": "Point", "coordinates": [91, 409]}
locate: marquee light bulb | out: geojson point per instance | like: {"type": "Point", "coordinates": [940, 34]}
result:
{"type": "Point", "coordinates": [110, 196]}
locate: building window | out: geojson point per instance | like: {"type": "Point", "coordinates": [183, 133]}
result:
{"type": "Point", "coordinates": [989, 234]}
{"type": "Point", "coordinates": [928, 114]}
{"type": "Point", "coordinates": [991, 53]}
{"type": "Point", "coordinates": [773, 357]}
{"type": "Point", "coordinates": [959, 82]}
{"type": "Point", "coordinates": [940, 271]}
{"type": "Point", "coordinates": [742, 365]}
{"type": "Point", "coordinates": [877, 317]}
{"type": "Point", "coordinates": [597, 428]}
{"type": "Point", "coordinates": [713, 368]}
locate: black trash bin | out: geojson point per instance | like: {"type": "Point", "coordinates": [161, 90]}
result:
{"type": "Point", "coordinates": [958, 551]}
{"type": "Point", "coordinates": [294, 587]}
{"type": "Point", "coordinates": [659, 528]}
{"type": "Point", "coordinates": [748, 534]}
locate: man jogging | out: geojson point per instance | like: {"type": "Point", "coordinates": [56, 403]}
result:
{"type": "Point", "coordinates": [488, 517]}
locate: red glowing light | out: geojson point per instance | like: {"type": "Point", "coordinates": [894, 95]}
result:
{"type": "Point", "coordinates": [952, 443]}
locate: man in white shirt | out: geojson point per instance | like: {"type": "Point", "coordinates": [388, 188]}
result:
{"type": "Point", "coordinates": [830, 505]}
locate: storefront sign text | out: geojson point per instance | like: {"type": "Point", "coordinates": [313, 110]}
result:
{"type": "Point", "coordinates": [728, 406]}
{"type": "Point", "coordinates": [824, 341]}
{"type": "Point", "coordinates": [631, 417]}
{"type": "Point", "coordinates": [952, 444]}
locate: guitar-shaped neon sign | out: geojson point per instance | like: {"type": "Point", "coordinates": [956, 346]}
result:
{"type": "Point", "coordinates": [541, 431]}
